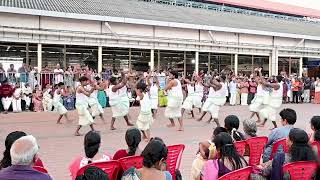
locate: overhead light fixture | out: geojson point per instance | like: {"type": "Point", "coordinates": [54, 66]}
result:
{"type": "Point", "coordinates": [193, 61]}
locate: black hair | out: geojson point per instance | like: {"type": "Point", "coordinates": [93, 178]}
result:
{"type": "Point", "coordinates": [315, 122]}
{"type": "Point", "coordinates": [174, 73]}
{"type": "Point", "coordinates": [289, 114]}
{"type": "Point", "coordinates": [279, 78]}
{"type": "Point", "coordinates": [93, 173]}
{"type": "Point", "coordinates": [154, 152]}
{"type": "Point", "coordinates": [5, 81]}
{"type": "Point", "coordinates": [97, 78]}
{"type": "Point", "coordinates": [223, 77]}
{"type": "Point", "coordinates": [10, 139]}
{"type": "Point", "coordinates": [133, 139]}
{"type": "Point", "coordinates": [92, 142]}
{"type": "Point", "coordinates": [232, 123]}
{"type": "Point", "coordinates": [300, 149]}
{"type": "Point", "coordinates": [142, 86]}
{"type": "Point", "coordinates": [219, 130]}
{"type": "Point", "coordinates": [83, 78]}
{"type": "Point", "coordinates": [113, 80]}
{"type": "Point", "coordinates": [224, 144]}
{"type": "Point", "coordinates": [157, 139]}
{"type": "Point", "coordinates": [60, 84]}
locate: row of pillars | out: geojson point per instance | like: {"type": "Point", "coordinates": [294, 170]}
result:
{"type": "Point", "coordinates": [273, 61]}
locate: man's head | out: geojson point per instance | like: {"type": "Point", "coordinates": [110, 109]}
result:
{"type": "Point", "coordinates": [11, 66]}
{"type": "Point", "coordinates": [58, 66]}
{"type": "Point", "coordinates": [24, 151]}
{"type": "Point", "coordinates": [288, 116]}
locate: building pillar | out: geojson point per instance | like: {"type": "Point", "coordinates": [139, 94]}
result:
{"type": "Point", "coordinates": [290, 66]}
{"type": "Point", "coordinates": [209, 62]}
{"type": "Point", "coordinates": [27, 54]}
{"type": "Point", "coordinates": [152, 59]}
{"type": "Point", "coordinates": [197, 62]}
{"type": "Point", "coordinates": [270, 65]}
{"type": "Point", "coordinates": [99, 59]}
{"type": "Point", "coordinates": [236, 64]}
{"type": "Point", "coordinates": [185, 63]}
{"type": "Point", "coordinates": [39, 59]}
{"type": "Point", "coordinates": [252, 63]}
{"type": "Point", "coordinates": [64, 56]}
{"type": "Point", "coordinates": [300, 66]}
{"type": "Point", "coordinates": [158, 60]}
{"type": "Point", "coordinates": [275, 60]}
{"type": "Point", "coordinates": [130, 65]}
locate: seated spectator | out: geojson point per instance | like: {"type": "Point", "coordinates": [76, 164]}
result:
{"type": "Point", "coordinates": [232, 123]}
{"type": "Point", "coordinates": [27, 95]}
{"type": "Point", "coordinates": [92, 142]}
{"type": "Point", "coordinates": [16, 98]}
{"type": "Point", "coordinates": [6, 92]}
{"type": "Point", "coordinates": [154, 156]}
{"type": "Point", "coordinates": [37, 100]}
{"type": "Point", "coordinates": [93, 173]}
{"type": "Point", "coordinates": [299, 150]}
{"type": "Point", "coordinates": [288, 119]}
{"type": "Point", "coordinates": [249, 128]}
{"type": "Point", "coordinates": [133, 139]}
{"type": "Point", "coordinates": [23, 154]}
{"type": "Point", "coordinates": [228, 160]}
{"type": "Point", "coordinates": [203, 154]}
{"type": "Point", "coordinates": [315, 126]}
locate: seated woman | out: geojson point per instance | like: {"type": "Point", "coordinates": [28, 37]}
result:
{"type": "Point", "coordinates": [10, 139]}
{"type": "Point", "coordinates": [154, 156]}
{"type": "Point", "coordinates": [203, 154]}
{"type": "Point", "coordinates": [92, 142]}
{"type": "Point", "coordinates": [249, 128]}
{"type": "Point", "coordinates": [315, 126]}
{"type": "Point", "coordinates": [231, 123]}
{"type": "Point", "coordinates": [133, 139]}
{"type": "Point", "coordinates": [299, 150]}
{"type": "Point", "coordinates": [37, 100]}
{"type": "Point", "coordinates": [227, 161]}
{"type": "Point", "coordinates": [93, 173]}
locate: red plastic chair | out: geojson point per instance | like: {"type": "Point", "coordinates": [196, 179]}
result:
{"type": "Point", "coordinates": [276, 145]}
{"type": "Point", "coordinates": [40, 169]}
{"type": "Point", "coordinates": [300, 170]}
{"type": "Point", "coordinates": [317, 145]}
{"type": "Point", "coordinates": [132, 161]}
{"type": "Point", "coordinates": [174, 158]}
{"type": "Point", "coordinates": [241, 147]}
{"type": "Point", "coordinates": [112, 168]}
{"type": "Point", "coordinates": [256, 146]}
{"type": "Point", "coordinates": [240, 174]}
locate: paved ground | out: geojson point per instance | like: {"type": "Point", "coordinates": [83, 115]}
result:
{"type": "Point", "coordinates": [58, 146]}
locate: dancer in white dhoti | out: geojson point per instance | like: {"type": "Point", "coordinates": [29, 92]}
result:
{"type": "Point", "coordinates": [96, 108]}
{"type": "Point", "coordinates": [145, 118]}
{"type": "Point", "coordinates": [82, 105]}
{"type": "Point", "coordinates": [16, 99]}
{"type": "Point", "coordinates": [57, 104]}
{"type": "Point", "coordinates": [117, 100]}
{"type": "Point", "coordinates": [47, 98]}
{"type": "Point", "coordinates": [269, 112]}
{"type": "Point", "coordinates": [27, 95]}
{"type": "Point", "coordinates": [197, 100]}
{"type": "Point", "coordinates": [188, 103]}
{"type": "Point", "coordinates": [154, 87]}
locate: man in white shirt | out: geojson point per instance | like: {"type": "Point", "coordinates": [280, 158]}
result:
{"type": "Point", "coordinates": [233, 91]}
{"type": "Point", "coordinates": [27, 95]}
{"type": "Point", "coordinates": [58, 74]}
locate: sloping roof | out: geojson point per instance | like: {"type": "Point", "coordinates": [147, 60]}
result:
{"type": "Point", "coordinates": [140, 10]}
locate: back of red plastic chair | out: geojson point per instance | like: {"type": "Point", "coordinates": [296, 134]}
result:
{"type": "Point", "coordinates": [300, 170]}
{"type": "Point", "coordinates": [132, 161]}
{"type": "Point", "coordinates": [38, 162]}
{"type": "Point", "coordinates": [40, 169]}
{"type": "Point", "coordinates": [256, 146]}
{"type": "Point", "coordinates": [240, 174]}
{"type": "Point", "coordinates": [112, 168]}
{"type": "Point", "coordinates": [174, 158]}
{"type": "Point", "coordinates": [241, 147]}
{"type": "Point", "coordinates": [317, 145]}
{"type": "Point", "coordinates": [277, 145]}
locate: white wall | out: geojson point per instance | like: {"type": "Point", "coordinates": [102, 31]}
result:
{"type": "Point", "coordinates": [312, 44]}
{"type": "Point", "coordinates": [255, 39]}
{"type": "Point", "coordinates": [129, 29]}
{"type": "Point", "coordinates": [219, 36]}
{"type": "Point", "coordinates": [281, 41]}
{"type": "Point", "coordinates": [15, 20]}
{"type": "Point", "coordinates": [177, 33]}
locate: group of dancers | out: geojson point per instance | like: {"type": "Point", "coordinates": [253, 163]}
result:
{"type": "Point", "coordinates": [265, 104]}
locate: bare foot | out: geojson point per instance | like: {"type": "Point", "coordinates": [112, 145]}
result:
{"type": "Point", "coordinates": [77, 134]}
{"type": "Point", "coordinates": [258, 121]}
{"type": "Point", "coordinates": [199, 120]}
{"type": "Point", "coordinates": [180, 129]}
{"type": "Point", "coordinates": [208, 122]}
{"type": "Point", "coordinates": [112, 128]}
{"type": "Point", "coordinates": [130, 124]}
{"type": "Point", "coordinates": [260, 125]}
{"type": "Point", "coordinates": [170, 125]}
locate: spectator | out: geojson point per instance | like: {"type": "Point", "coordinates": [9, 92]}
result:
{"type": "Point", "coordinates": [37, 98]}
{"type": "Point", "coordinates": [33, 77]}
{"type": "Point", "coordinates": [299, 150]}
{"type": "Point", "coordinates": [306, 91]}
{"type": "Point", "coordinates": [27, 95]}
{"type": "Point", "coordinates": [315, 126]}
{"type": "Point", "coordinates": [93, 173]}
{"type": "Point", "coordinates": [68, 77]}
{"type": "Point", "coordinates": [295, 90]}
{"type": "Point", "coordinates": [92, 142]}
{"type": "Point", "coordinates": [133, 139]}
{"type": "Point", "coordinates": [232, 123]}
{"type": "Point", "coordinates": [23, 155]}
{"type": "Point", "coordinates": [244, 89]}
{"type": "Point", "coordinates": [2, 73]}
{"type": "Point", "coordinates": [252, 90]}
{"type": "Point", "coordinates": [228, 160]}
{"type": "Point", "coordinates": [6, 92]}
{"type": "Point", "coordinates": [233, 91]}
{"type": "Point", "coordinates": [16, 98]}
{"type": "Point", "coordinates": [317, 91]}
{"type": "Point", "coordinates": [288, 119]}
{"type": "Point", "coordinates": [10, 139]}
{"type": "Point", "coordinates": [12, 74]}
{"type": "Point", "coordinates": [46, 76]}
{"type": "Point", "coordinates": [154, 156]}
{"type": "Point", "coordinates": [58, 74]}
{"type": "Point", "coordinates": [249, 128]}
{"type": "Point", "coordinates": [23, 71]}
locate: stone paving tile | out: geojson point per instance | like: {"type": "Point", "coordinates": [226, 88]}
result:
{"type": "Point", "coordinates": [58, 146]}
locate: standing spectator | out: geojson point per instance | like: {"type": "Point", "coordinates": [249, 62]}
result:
{"type": "Point", "coordinates": [289, 92]}
{"type": "Point", "coordinates": [301, 89]}
{"type": "Point", "coordinates": [317, 91]}
{"type": "Point", "coordinates": [6, 92]}
{"type": "Point", "coordinates": [244, 89]}
{"type": "Point", "coordinates": [32, 77]}
{"type": "Point", "coordinates": [233, 91]}
{"type": "Point", "coordinates": [46, 76]}
{"type": "Point", "coordinates": [11, 74]}
{"type": "Point", "coordinates": [2, 73]}
{"type": "Point", "coordinates": [58, 74]}
{"type": "Point", "coordinates": [306, 92]}
{"type": "Point", "coordinates": [68, 78]}
{"type": "Point", "coordinates": [107, 72]}
{"type": "Point", "coordinates": [295, 90]}
{"type": "Point", "coordinates": [252, 90]}
{"type": "Point", "coordinates": [285, 90]}
{"type": "Point", "coordinates": [23, 71]}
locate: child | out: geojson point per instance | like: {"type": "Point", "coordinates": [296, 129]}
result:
{"type": "Point", "coordinates": [154, 94]}
{"type": "Point", "coordinates": [16, 100]}
{"type": "Point", "coordinates": [145, 118]}
{"type": "Point", "coordinates": [58, 106]}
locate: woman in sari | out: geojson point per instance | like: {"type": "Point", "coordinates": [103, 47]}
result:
{"type": "Point", "coordinates": [37, 100]}
{"type": "Point", "coordinates": [317, 91]}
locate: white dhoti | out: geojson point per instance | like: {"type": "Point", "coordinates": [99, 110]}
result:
{"type": "Point", "coordinates": [16, 105]}
{"type": "Point", "coordinates": [59, 108]}
{"type": "Point", "coordinates": [173, 109]}
{"type": "Point", "coordinates": [197, 100]}
{"type": "Point", "coordinates": [188, 103]}
{"type": "Point", "coordinates": [6, 102]}
{"type": "Point", "coordinates": [256, 104]}
{"type": "Point", "coordinates": [144, 121]}
{"type": "Point", "coordinates": [47, 104]}
{"type": "Point", "coordinates": [27, 99]}
{"type": "Point", "coordinates": [244, 99]}
{"type": "Point", "coordinates": [233, 98]}
{"type": "Point", "coordinates": [207, 104]}
{"type": "Point", "coordinates": [119, 108]}
{"type": "Point", "coordinates": [269, 112]}
{"type": "Point", "coordinates": [85, 117]}
{"type": "Point", "coordinates": [96, 108]}
{"type": "Point", "coordinates": [154, 102]}
{"type": "Point", "coordinates": [215, 106]}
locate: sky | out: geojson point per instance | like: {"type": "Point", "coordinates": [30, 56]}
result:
{"type": "Point", "coordinates": [314, 4]}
